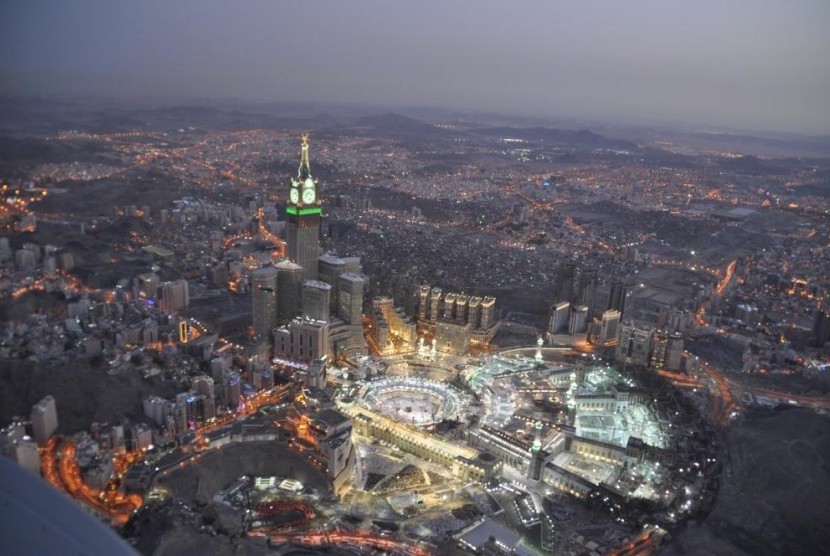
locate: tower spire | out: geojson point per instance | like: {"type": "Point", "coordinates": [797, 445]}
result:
{"type": "Point", "coordinates": [305, 171]}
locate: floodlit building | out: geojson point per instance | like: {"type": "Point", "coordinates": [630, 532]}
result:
{"type": "Point", "coordinates": [635, 344]}
{"type": "Point", "coordinates": [303, 339]}
{"type": "Point", "coordinates": [559, 317]}
{"type": "Point", "coordinates": [609, 326]}
{"type": "Point", "coordinates": [303, 211]}
{"type": "Point", "coordinates": [458, 315]}
{"type": "Point", "coordinates": [333, 433]}
{"type": "Point", "coordinates": [396, 322]}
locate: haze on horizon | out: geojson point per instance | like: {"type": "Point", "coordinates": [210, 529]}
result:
{"type": "Point", "coordinates": [740, 64]}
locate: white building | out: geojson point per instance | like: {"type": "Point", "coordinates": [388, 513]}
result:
{"type": "Point", "coordinates": [44, 419]}
{"type": "Point", "coordinates": [302, 339]}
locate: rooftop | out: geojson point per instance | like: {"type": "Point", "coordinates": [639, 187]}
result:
{"type": "Point", "coordinates": [481, 533]}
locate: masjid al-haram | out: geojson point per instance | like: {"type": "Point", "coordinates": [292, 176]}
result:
{"type": "Point", "coordinates": [353, 431]}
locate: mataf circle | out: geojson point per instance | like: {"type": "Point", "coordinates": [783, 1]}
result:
{"type": "Point", "coordinates": [417, 402]}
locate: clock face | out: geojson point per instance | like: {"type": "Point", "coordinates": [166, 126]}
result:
{"type": "Point", "coordinates": [294, 196]}
{"type": "Point", "coordinates": [308, 196]}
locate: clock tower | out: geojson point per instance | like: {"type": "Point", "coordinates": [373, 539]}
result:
{"type": "Point", "coordinates": [303, 211]}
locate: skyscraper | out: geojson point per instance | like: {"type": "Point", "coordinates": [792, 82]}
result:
{"type": "Point", "coordinates": [563, 287]}
{"type": "Point", "coordinates": [423, 303]}
{"type": "Point", "coordinates": [350, 298]}
{"type": "Point", "coordinates": [435, 298]}
{"type": "Point", "coordinates": [559, 317]}
{"type": "Point", "coordinates": [488, 313]}
{"type": "Point", "coordinates": [44, 419]}
{"type": "Point", "coordinates": [610, 324]}
{"type": "Point", "coordinates": [204, 387]}
{"type": "Point", "coordinates": [264, 300]}
{"type": "Point", "coordinates": [303, 210]}
{"type": "Point", "coordinates": [329, 269]}
{"type": "Point", "coordinates": [587, 289]}
{"type": "Point", "coordinates": [302, 339]}
{"type": "Point", "coordinates": [619, 295]}
{"type": "Point", "coordinates": [148, 285]}
{"type": "Point", "coordinates": [175, 297]}
{"type": "Point", "coordinates": [674, 352]}
{"type": "Point", "coordinates": [578, 321]}
{"type": "Point", "coordinates": [636, 344]}
{"type": "Point", "coordinates": [316, 300]}
{"type": "Point", "coordinates": [821, 327]}
{"type": "Point", "coordinates": [289, 290]}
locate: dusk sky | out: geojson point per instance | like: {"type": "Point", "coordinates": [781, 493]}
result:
{"type": "Point", "coordinates": [752, 64]}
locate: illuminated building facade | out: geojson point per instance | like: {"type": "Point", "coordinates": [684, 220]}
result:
{"type": "Point", "coordinates": [610, 324]}
{"type": "Point", "coordinates": [463, 462]}
{"type": "Point", "coordinates": [303, 211]}
{"type": "Point", "coordinates": [333, 433]}
{"type": "Point", "coordinates": [559, 318]}
{"type": "Point", "coordinates": [459, 315]}
{"type": "Point", "coordinates": [148, 285]}
{"type": "Point", "coordinates": [636, 344]}
{"type": "Point", "coordinates": [393, 321]}
{"type": "Point", "coordinates": [302, 339]}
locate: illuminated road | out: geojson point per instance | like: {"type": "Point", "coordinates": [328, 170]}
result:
{"type": "Point", "coordinates": [61, 470]}
{"type": "Point", "coordinates": [279, 252]}
{"type": "Point", "coordinates": [726, 390]}
{"type": "Point", "coordinates": [723, 402]}
{"type": "Point", "coordinates": [49, 464]}
{"type": "Point", "coordinates": [727, 279]}
{"type": "Point", "coordinates": [250, 406]}
{"type": "Point", "coordinates": [815, 402]}
{"type": "Point", "coordinates": [644, 543]}
{"type": "Point", "coordinates": [679, 379]}
{"type": "Point", "coordinates": [354, 540]}
{"type": "Point", "coordinates": [111, 505]}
